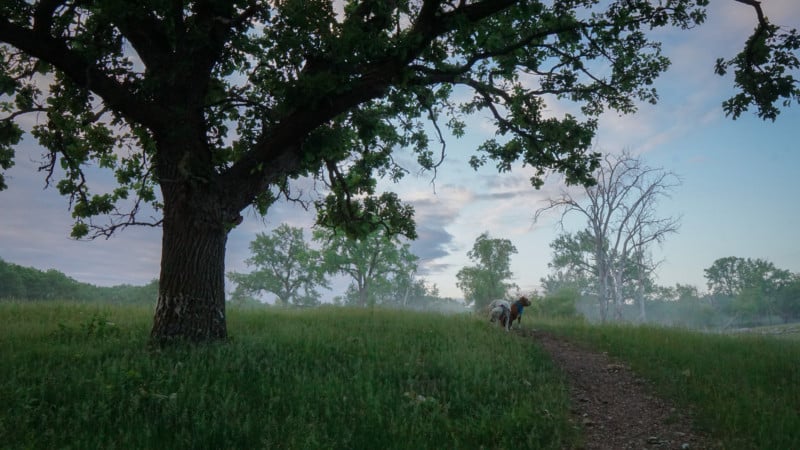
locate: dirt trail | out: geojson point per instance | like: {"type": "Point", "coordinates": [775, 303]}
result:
{"type": "Point", "coordinates": [615, 408]}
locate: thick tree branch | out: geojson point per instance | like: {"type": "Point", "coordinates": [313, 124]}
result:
{"type": "Point", "coordinates": [43, 15]}
{"type": "Point", "coordinates": [757, 6]}
{"type": "Point", "coordinates": [146, 35]}
{"type": "Point", "coordinates": [762, 29]}
{"type": "Point", "coordinates": [82, 72]}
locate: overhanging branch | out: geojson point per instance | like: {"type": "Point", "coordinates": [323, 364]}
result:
{"type": "Point", "coordinates": [82, 72]}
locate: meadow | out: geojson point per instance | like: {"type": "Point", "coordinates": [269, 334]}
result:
{"type": "Point", "coordinates": [743, 388]}
{"type": "Point", "coordinates": [79, 375]}
{"type": "Point", "coordinates": [82, 376]}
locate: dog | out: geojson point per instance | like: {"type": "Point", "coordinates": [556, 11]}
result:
{"type": "Point", "coordinates": [500, 310]}
{"type": "Point", "coordinates": [516, 310]}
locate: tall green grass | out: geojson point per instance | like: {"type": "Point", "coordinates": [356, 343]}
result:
{"type": "Point", "coordinates": [744, 389]}
{"type": "Point", "coordinates": [82, 376]}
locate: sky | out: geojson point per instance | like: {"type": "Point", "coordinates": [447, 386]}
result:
{"type": "Point", "coordinates": [738, 197]}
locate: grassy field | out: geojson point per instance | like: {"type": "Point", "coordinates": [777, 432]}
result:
{"type": "Point", "coordinates": [81, 376]}
{"type": "Point", "coordinates": [744, 388]}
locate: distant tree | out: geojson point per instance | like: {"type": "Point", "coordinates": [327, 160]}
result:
{"type": "Point", "coordinates": [401, 289]}
{"type": "Point", "coordinates": [559, 304]}
{"type": "Point", "coordinates": [27, 283]}
{"type": "Point", "coordinates": [285, 265]}
{"type": "Point", "coordinates": [204, 108]}
{"type": "Point", "coordinates": [686, 292]}
{"type": "Point", "coordinates": [572, 264]}
{"type": "Point", "coordinates": [573, 251]}
{"type": "Point", "coordinates": [376, 263]}
{"type": "Point", "coordinates": [748, 306]}
{"type": "Point", "coordinates": [560, 279]}
{"type": "Point", "coordinates": [427, 297]}
{"type": "Point", "coordinates": [682, 305]}
{"type": "Point", "coordinates": [487, 280]}
{"type": "Point", "coordinates": [12, 284]}
{"type": "Point", "coordinates": [788, 300]}
{"type": "Point", "coordinates": [621, 224]}
{"type": "Point", "coordinates": [731, 275]}
{"type": "Point", "coordinates": [123, 294]}
{"type": "Point", "coordinates": [752, 285]}
{"type": "Point", "coordinates": [724, 276]}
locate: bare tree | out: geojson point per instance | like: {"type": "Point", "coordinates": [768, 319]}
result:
{"type": "Point", "coordinates": [622, 222]}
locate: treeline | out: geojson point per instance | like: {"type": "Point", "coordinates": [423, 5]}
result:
{"type": "Point", "coordinates": [606, 270]}
{"type": "Point", "coordinates": [288, 270]}
{"type": "Point", "coordinates": [29, 284]}
{"type": "Point", "coordinates": [742, 292]}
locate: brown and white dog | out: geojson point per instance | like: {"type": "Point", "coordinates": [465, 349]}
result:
{"type": "Point", "coordinates": [500, 310]}
{"type": "Point", "coordinates": [506, 313]}
{"type": "Point", "coordinates": [516, 310]}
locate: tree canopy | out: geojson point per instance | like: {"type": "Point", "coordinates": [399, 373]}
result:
{"type": "Point", "coordinates": [488, 279]}
{"type": "Point", "coordinates": [378, 264]}
{"type": "Point", "coordinates": [286, 266]}
{"type": "Point", "coordinates": [203, 108]}
{"type": "Point", "coordinates": [731, 276]}
{"type": "Point", "coordinates": [754, 287]}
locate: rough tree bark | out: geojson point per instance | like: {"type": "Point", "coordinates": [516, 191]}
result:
{"type": "Point", "coordinates": [191, 295]}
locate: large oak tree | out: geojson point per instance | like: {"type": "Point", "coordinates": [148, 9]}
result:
{"type": "Point", "coordinates": [205, 108]}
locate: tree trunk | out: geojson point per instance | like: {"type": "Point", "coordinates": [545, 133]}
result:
{"type": "Point", "coordinates": [191, 293]}
{"type": "Point", "coordinates": [362, 295]}
{"type": "Point", "coordinates": [640, 292]}
{"type": "Point", "coordinates": [642, 310]}
{"type": "Point", "coordinates": [603, 288]}
{"type": "Point", "coordinates": [617, 291]}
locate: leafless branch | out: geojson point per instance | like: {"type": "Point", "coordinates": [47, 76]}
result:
{"type": "Point", "coordinates": [621, 217]}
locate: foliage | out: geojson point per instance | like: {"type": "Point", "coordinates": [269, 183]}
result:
{"type": "Point", "coordinates": [285, 266]}
{"type": "Point", "coordinates": [756, 288]}
{"type": "Point", "coordinates": [572, 264]}
{"type": "Point", "coordinates": [25, 283]}
{"type": "Point", "coordinates": [732, 275]}
{"type": "Point", "coordinates": [486, 280]}
{"type": "Point", "coordinates": [787, 301]}
{"type": "Point", "coordinates": [559, 304]}
{"type": "Point", "coordinates": [402, 289]}
{"type": "Point", "coordinates": [723, 276]}
{"type": "Point", "coordinates": [331, 378]}
{"type": "Point", "coordinates": [765, 71]}
{"type": "Point", "coordinates": [29, 284]}
{"type": "Point", "coordinates": [379, 265]}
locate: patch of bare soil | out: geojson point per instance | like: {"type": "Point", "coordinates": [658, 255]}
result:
{"type": "Point", "coordinates": [615, 408]}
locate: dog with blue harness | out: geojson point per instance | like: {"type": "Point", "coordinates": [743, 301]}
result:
{"type": "Point", "coordinates": [516, 310]}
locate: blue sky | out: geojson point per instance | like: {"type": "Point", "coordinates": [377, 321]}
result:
{"type": "Point", "coordinates": [739, 195]}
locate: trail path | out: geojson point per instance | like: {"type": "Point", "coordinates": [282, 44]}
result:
{"type": "Point", "coordinates": [616, 409]}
